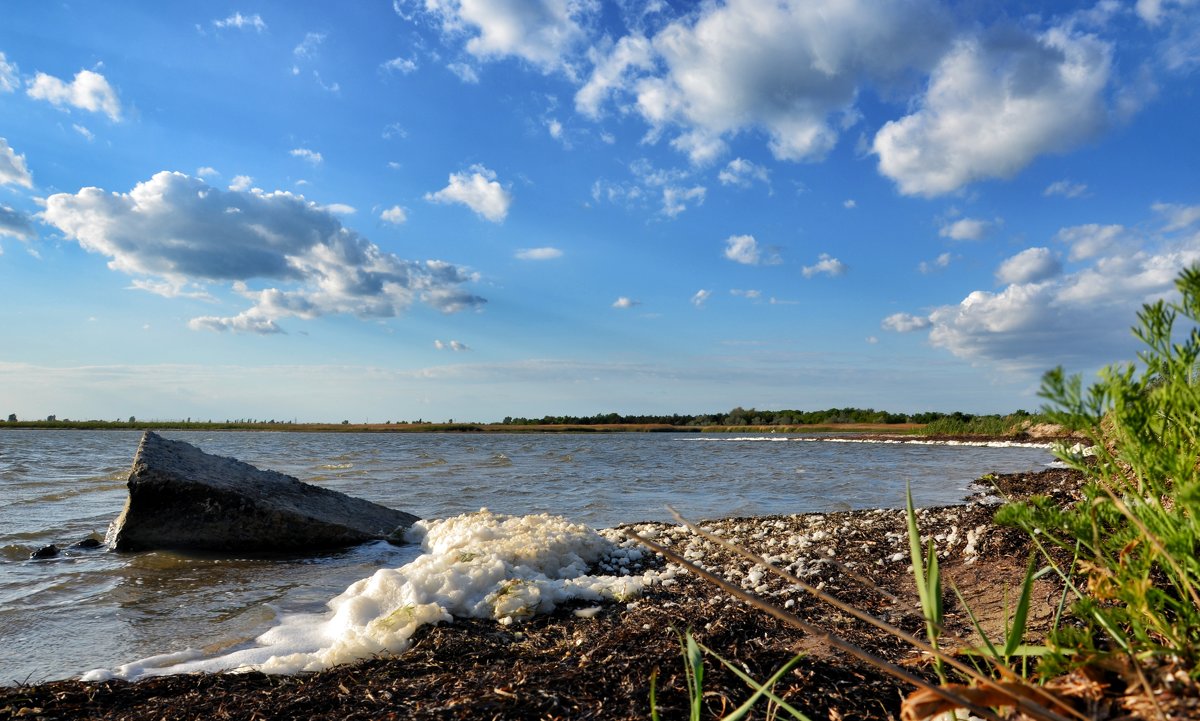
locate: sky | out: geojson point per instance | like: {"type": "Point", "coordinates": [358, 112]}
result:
{"type": "Point", "coordinates": [470, 209]}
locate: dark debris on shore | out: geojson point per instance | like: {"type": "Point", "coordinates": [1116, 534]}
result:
{"type": "Point", "coordinates": [559, 666]}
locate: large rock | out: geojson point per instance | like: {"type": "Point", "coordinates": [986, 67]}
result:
{"type": "Point", "coordinates": [185, 499]}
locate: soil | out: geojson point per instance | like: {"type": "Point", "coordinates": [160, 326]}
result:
{"type": "Point", "coordinates": [563, 666]}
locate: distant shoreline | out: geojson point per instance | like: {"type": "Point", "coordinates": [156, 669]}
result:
{"type": "Point", "coordinates": [898, 429]}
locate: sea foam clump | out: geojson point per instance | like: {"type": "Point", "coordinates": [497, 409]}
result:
{"type": "Point", "coordinates": [478, 565]}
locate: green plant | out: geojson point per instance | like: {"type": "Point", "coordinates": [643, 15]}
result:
{"type": "Point", "coordinates": [1138, 527]}
{"type": "Point", "coordinates": [928, 580]}
{"type": "Point", "coordinates": [693, 664]}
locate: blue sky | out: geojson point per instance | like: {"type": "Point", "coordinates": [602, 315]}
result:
{"type": "Point", "coordinates": [465, 209]}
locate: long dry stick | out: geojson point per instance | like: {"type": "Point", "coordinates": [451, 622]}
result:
{"type": "Point", "coordinates": [832, 640]}
{"type": "Point", "coordinates": [882, 625]}
{"type": "Point", "coordinates": [1033, 708]}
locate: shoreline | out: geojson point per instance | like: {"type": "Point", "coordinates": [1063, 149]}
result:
{"type": "Point", "coordinates": [560, 665]}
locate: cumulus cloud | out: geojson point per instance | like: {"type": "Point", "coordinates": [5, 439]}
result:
{"type": "Point", "coordinates": [180, 233]}
{"type": "Point", "coordinates": [1091, 240]}
{"type": "Point", "coordinates": [465, 73]}
{"type": "Point", "coordinates": [478, 189]}
{"type": "Point", "coordinates": [207, 172]}
{"type": "Point", "coordinates": [13, 170]}
{"type": "Point", "coordinates": [1031, 265]}
{"type": "Point", "coordinates": [242, 22]}
{"type": "Point", "coordinates": [929, 266]}
{"type": "Point", "coordinates": [453, 345]}
{"type": "Point", "coordinates": [826, 265]}
{"type": "Point", "coordinates": [701, 297]}
{"type": "Point", "coordinates": [1080, 318]}
{"type": "Point", "coordinates": [394, 215]}
{"type": "Point", "coordinates": [791, 69]}
{"type": "Point", "coordinates": [742, 172]}
{"type": "Point", "coordinates": [541, 32]}
{"type": "Point", "coordinates": [967, 229]}
{"type": "Point", "coordinates": [15, 224]}
{"type": "Point", "coordinates": [744, 249]}
{"type": "Point", "coordinates": [546, 253]}
{"type": "Point", "coordinates": [610, 72]}
{"type": "Point", "coordinates": [1066, 189]}
{"type": "Point", "coordinates": [1177, 217]}
{"type": "Point", "coordinates": [241, 182]}
{"type": "Point", "coordinates": [675, 199]}
{"type": "Point", "coordinates": [994, 103]}
{"type": "Point", "coordinates": [8, 75]}
{"type": "Point", "coordinates": [88, 91]}
{"type": "Point", "coordinates": [309, 156]}
{"type": "Point", "coordinates": [905, 323]}
{"type": "Point", "coordinates": [624, 303]}
{"type": "Point", "coordinates": [399, 65]}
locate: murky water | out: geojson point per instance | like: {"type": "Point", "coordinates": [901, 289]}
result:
{"type": "Point", "coordinates": [91, 608]}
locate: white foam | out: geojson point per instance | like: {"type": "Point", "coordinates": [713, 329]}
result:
{"type": "Point", "coordinates": [479, 565]}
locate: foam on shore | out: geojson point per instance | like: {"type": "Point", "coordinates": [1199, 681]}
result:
{"type": "Point", "coordinates": [477, 565]}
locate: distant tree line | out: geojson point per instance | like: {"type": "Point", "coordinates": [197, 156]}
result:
{"type": "Point", "coordinates": [752, 417]}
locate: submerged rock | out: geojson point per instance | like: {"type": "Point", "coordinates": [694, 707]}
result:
{"type": "Point", "coordinates": [50, 551]}
{"type": "Point", "coordinates": [182, 498]}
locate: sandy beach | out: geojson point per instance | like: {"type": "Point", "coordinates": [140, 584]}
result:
{"type": "Point", "coordinates": [599, 664]}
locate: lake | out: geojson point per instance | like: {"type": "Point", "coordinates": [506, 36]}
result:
{"type": "Point", "coordinates": [86, 609]}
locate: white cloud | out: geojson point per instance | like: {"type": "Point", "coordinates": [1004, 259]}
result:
{"type": "Point", "coordinates": [88, 91]}
{"type": "Point", "coordinates": [742, 249]}
{"type": "Point", "coordinates": [546, 253]}
{"type": "Point", "coordinates": [849, 204]}
{"type": "Point", "coordinates": [13, 170]}
{"type": "Point", "coordinates": [1091, 240]}
{"type": "Point", "coordinates": [1080, 319]}
{"type": "Point", "coordinates": [539, 31]}
{"type": "Point", "coordinates": [742, 172]}
{"type": "Point", "coordinates": [241, 182]}
{"type": "Point", "coordinates": [453, 345]}
{"type": "Point", "coordinates": [1177, 217]}
{"type": "Point", "coordinates": [465, 73]}
{"type": "Point", "coordinates": [394, 130]}
{"type": "Point", "coordinates": [1177, 23]}
{"type": "Point", "coordinates": [825, 265]}
{"type": "Point", "coordinates": [207, 172]}
{"type": "Point", "coordinates": [1031, 265]}
{"type": "Point", "coordinates": [701, 297]}
{"type": "Point", "coordinates": [632, 52]}
{"type": "Point", "coordinates": [625, 303]}
{"type": "Point", "coordinates": [9, 80]}
{"type": "Point", "coordinates": [308, 46]}
{"type": "Point", "coordinates": [750, 294]}
{"type": "Point", "coordinates": [394, 215]}
{"type": "Point", "coordinates": [905, 323]}
{"type": "Point", "coordinates": [1066, 189]}
{"type": "Point", "coordinates": [15, 224]}
{"type": "Point", "coordinates": [478, 189]}
{"type": "Point", "coordinates": [180, 233]}
{"type": "Point", "coordinates": [675, 200]}
{"type": "Point", "coordinates": [82, 130]}
{"type": "Point", "coordinates": [942, 261]}
{"type": "Point", "coordinates": [993, 105]}
{"type": "Point", "coordinates": [555, 128]}
{"type": "Point", "coordinates": [967, 229]}
{"type": "Point", "coordinates": [871, 340]}
{"type": "Point", "coordinates": [242, 22]}
{"type": "Point", "coordinates": [338, 208]}
{"type": "Point", "coordinates": [400, 65]}
{"type": "Point", "coordinates": [307, 155]}
{"type": "Point", "coordinates": [791, 69]}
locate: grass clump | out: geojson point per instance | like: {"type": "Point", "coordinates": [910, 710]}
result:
{"type": "Point", "coordinates": [1137, 530]}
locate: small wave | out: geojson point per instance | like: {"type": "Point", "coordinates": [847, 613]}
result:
{"type": "Point", "coordinates": [335, 466]}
